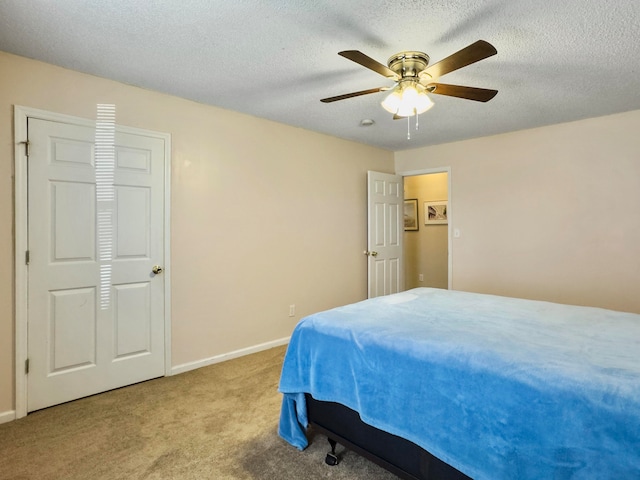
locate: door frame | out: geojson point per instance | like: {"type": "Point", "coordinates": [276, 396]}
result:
{"type": "Point", "coordinates": [447, 170]}
{"type": "Point", "coordinates": [20, 115]}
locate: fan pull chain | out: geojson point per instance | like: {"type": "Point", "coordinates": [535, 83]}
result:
{"type": "Point", "coordinates": [408, 128]}
{"type": "Point", "coordinates": [417, 120]}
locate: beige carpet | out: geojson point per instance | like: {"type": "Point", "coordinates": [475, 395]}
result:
{"type": "Point", "coordinates": [217, 422]}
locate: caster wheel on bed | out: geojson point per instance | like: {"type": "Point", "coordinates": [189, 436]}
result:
{"type": "Point", "coordinates": [331, 459]}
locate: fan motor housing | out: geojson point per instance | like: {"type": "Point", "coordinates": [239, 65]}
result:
{"type": "Point", "coordinates": [408, 64]}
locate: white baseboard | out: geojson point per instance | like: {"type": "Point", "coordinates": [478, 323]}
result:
{"type": "Point", "coordinates": [185, 367]}
{"type": "Point", "coordinates": [9, 416]}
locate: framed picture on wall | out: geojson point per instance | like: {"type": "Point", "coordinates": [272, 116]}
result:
{"type": "Point", "coordinates": [435, 213]}
{"type": "Point", "coordinates": [411, 214]}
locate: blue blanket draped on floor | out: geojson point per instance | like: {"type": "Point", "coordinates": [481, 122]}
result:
{"type": "Point", "coordinates": [499, 388]}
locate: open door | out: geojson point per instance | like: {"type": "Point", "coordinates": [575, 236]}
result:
{"type": "Point", "coordinates": [385, 228]}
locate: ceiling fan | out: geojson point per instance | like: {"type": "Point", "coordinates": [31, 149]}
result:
{"type": "Point", "coordinates": [415, 78]}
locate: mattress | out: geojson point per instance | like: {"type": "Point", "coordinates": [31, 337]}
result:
{"type": "Point", "coordinates": [497, 387]}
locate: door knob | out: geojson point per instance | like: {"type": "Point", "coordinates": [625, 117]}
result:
{"type": "Point", "coordinates": [156, 269]}
{"type": "Point", "coordinates": [372, 254]}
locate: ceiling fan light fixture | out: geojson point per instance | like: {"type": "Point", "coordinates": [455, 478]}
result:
{"type": "Point", "coordinates": [416, 80]}
{"type": "Point", "coordinates": [406, 100]}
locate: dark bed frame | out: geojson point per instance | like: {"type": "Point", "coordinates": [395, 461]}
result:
{"type": "Point", "coordinates": [399, 456]}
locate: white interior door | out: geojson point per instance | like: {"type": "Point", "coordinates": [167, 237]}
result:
{"type": "Point", "coordinates": [95, 307]}
{"type": "Point", "coordinates": [385, 230]}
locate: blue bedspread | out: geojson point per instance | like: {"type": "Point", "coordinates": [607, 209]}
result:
{"type": "Point", "coordinates": [499, 388]}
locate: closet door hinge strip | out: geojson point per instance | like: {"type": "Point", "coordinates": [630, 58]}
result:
{"type": "Point", "coordinates": [26, 147]}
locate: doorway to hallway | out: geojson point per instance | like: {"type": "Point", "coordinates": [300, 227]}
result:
{"type": "Point", "coordinates": [426, 244]}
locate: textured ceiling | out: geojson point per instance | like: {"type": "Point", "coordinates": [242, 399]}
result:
{"type": "Point", "coordinates": [557, 60]}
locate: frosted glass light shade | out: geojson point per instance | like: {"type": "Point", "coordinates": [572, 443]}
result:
{"type": "Point", "coordinates": [406, 102]}
{"type": "Point", "coordinates": [392, 102]}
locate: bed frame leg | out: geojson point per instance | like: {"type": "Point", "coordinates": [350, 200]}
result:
{"type": "Point", "coordinates": [332, 457]}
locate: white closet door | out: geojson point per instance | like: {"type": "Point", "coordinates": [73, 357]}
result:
{"type": "Point", "coordinates": [95, 308]}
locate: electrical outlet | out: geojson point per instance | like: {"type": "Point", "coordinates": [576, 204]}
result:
{"type": "Point", "coordinates": [292, 310]}
{"type": "Point", "coordinates": [420, 277]}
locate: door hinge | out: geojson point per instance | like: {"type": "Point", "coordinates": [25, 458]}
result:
{"type": "Point", "coordinates": [26, 147]}
{"type": "Point", "coordinates": [26, 366]}
{"type": "Point", "coordinates": [27, 257]}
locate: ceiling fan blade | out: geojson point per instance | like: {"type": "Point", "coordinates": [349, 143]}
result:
{"type": "Point", "coordinates": [473, 53]}
{"type": "Point", "coordinates": [368, 62]}
{"type": "Point", "coordinates": [469, 93]}
{"type": "Point", "coordinates": [354, 94]}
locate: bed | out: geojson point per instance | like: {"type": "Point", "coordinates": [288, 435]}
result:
{"type": "Point", "coordinates": [489, 387]}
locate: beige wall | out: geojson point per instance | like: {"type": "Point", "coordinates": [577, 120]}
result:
{"type": "Point", "coordinates": [549, 213]}
{"type": "Point", "coordinates": [426, 250]}
{"type": "Point", "coordinates": [263, 215]}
